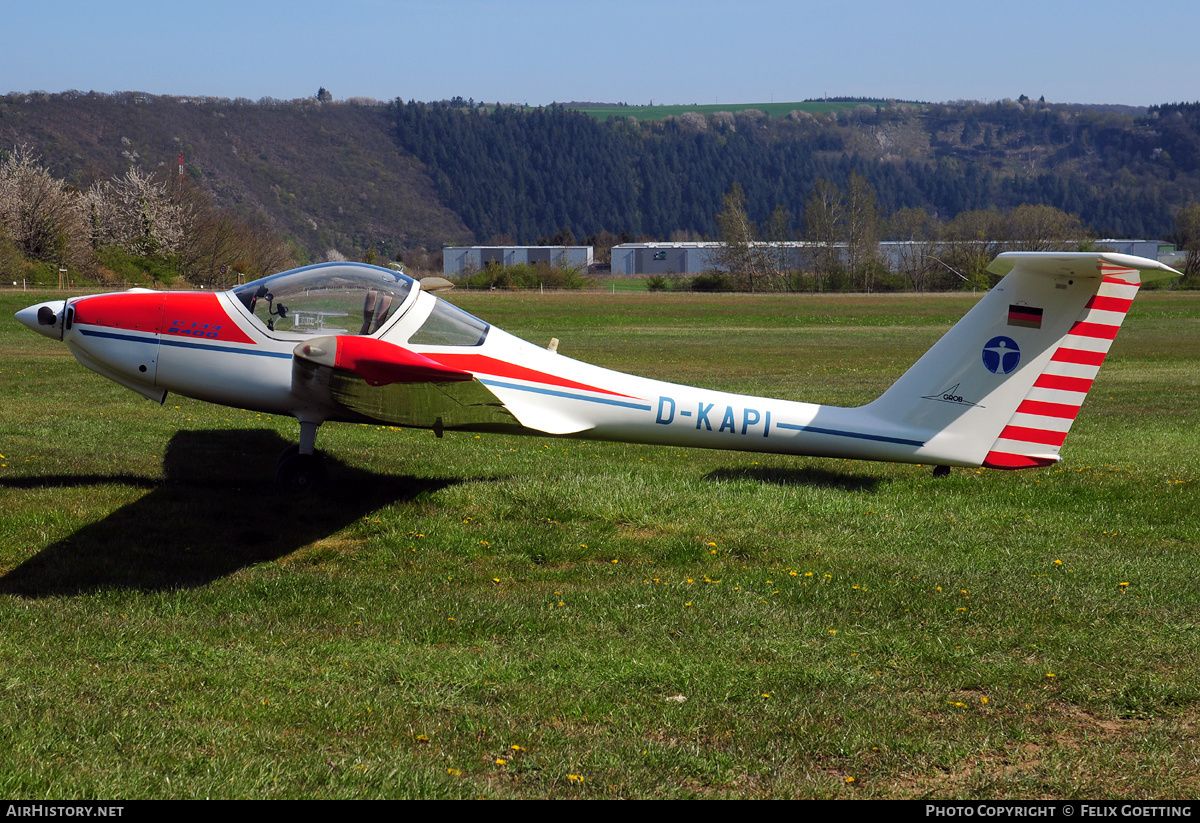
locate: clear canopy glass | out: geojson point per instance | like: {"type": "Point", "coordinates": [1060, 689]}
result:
{"type": "Point", "coordinates": [328, 298]}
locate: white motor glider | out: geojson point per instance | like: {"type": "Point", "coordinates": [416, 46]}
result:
{"type": "Point", "coordinates": [358, 343]}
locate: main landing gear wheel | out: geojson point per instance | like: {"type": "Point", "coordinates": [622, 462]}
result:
{"type": "Point", "coordinates": [941, 471]}
{"type": "Point", "coordinates": [298, 472]}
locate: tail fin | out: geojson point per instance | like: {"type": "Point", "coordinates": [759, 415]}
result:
{"type": "Point", "coordinates": [1003, 386]}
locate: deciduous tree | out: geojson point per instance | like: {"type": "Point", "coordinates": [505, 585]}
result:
{"type": "Point", "coordinates": [824, 219]}
{"type": "Point", "coordinates": [916, 231]}
{"type": "Point", "coordinates": [862, 231]}
{"type": "Point", "coordinates": [1187, 236]}
{"type": "Point", "coordinates": [1044, 228]}
{"type": "Point", "coordinates": [737, 254]}
{"type": "Point", "coordinates": [42, 215]}
{"type": "Point", "coordinates": [774, 251]}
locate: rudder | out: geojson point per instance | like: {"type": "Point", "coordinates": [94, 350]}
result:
{"type": "Point", "coordinates": [1037, 429]}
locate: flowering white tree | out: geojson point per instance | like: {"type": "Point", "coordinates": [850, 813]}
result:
{"type": "Point", "coordinates": [42, 215]}
{"type": "Point", "coordinates": [45, 219]}
{"type": "Point", "coordinates": [137, 214]}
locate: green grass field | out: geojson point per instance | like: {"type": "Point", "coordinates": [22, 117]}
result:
{"type": "Point", "coordinates": [527, 617]}
{"type": "Point", "coordinates": [771, 109]}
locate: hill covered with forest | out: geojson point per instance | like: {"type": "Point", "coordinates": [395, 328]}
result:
{"type": "Point", "coordinates": [393, 177]}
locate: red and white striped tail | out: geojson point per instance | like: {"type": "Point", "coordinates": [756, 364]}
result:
{"type": "Point", "coordinates": [1040, 424]}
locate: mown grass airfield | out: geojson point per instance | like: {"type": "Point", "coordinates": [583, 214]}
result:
{"type": "Point", "coordinates": [523, 617]}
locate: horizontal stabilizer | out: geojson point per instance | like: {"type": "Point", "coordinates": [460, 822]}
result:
{"type": "Point", "coordinates": [1078, 264]}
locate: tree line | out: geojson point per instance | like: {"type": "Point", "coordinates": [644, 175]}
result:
{"type": "Point", "coordinates": [842, 236]}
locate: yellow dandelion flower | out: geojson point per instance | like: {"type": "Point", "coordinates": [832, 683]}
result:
{"type": "Point", "coordinates": [849, 779]}
{"type": "Point", "coordinates": [575, 778]}
{"type": "Point", "coordinates": [1051, 674]}
{"type": "Point", "coordinates": [500, 761]}
{"type": "Point", "coordinates": [453, 772]}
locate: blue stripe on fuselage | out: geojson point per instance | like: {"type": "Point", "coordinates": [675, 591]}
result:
{"type": "Point", "coordinates": [185, 344]}
{"type": "Point", "coordinates": [859, 435]}
{"type": "Point", "coordinates": [568, 395]}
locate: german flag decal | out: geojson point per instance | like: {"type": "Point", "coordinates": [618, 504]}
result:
{"type": "Point", "coordinates": [1026, 316]}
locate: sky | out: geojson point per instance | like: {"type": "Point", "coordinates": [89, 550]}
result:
{"type": "Point", "coordinates": [662, 51]}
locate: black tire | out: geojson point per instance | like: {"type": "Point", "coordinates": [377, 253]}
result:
{"type": "Point", "coordinates": [300, 473]}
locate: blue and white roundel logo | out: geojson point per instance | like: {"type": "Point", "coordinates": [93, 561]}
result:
{"type": "Point", "coordinates": [1001, 355]}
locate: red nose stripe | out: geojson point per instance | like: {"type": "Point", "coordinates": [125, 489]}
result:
{"type": "Point", "coordinates": [137, 312]}
{"type": "Point", "coordinates": [198, 315]}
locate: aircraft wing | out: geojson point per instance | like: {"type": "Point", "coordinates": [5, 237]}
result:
{"type": "Point", "coordinates": [368, 380]}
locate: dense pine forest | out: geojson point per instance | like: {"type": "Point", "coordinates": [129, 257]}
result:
{"type": "Point", "coordinates": [319, 179]}
{"type": "Point", "coordinates": [526, 174]}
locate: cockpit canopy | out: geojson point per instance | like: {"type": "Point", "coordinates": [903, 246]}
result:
{"type": "Point", "coordinates": [328, 298]}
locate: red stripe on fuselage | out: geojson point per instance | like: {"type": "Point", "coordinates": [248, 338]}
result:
{"type": "Point", "coordinates": [197, 315]}
{"type": "Point", "coordinates": [482, 364]}
{"type": "Point", "coordinates": [137, 312]}
{"type": "Point", "coordinates": [200, 316]}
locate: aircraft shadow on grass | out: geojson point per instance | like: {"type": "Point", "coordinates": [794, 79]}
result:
{"type": "Point", "coordinates": [217, 511]}
{"type": "Point", "coordinates": [798, 477]}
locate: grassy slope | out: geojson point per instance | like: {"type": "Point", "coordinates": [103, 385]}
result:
{"type": "Point", "coordinates": [169, 627]}
{"type": "Point", "coordinates": [325, 175]}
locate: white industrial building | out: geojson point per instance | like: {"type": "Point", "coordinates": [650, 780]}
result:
{"type": "Point", "coordinates": [457, 260]}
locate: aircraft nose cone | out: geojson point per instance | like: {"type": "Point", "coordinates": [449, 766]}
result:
{"type": "Point", "coordinates": [44, 318]}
